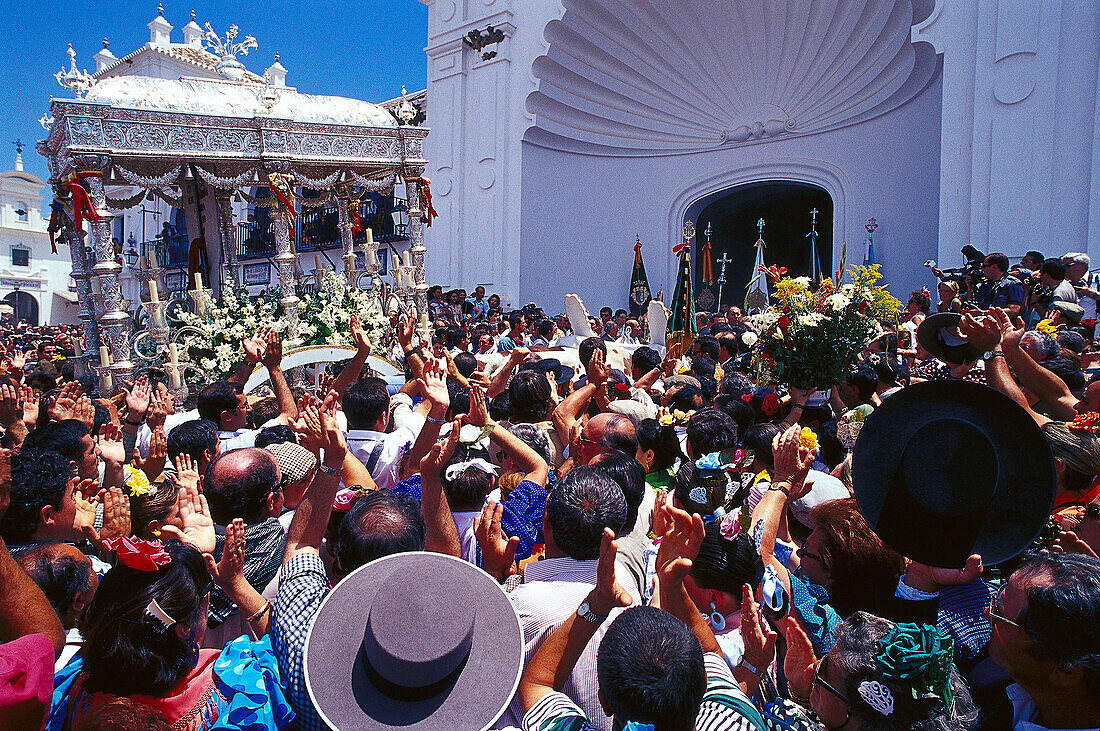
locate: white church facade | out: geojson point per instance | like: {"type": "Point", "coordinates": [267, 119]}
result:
{"type": "Point", "coordinates": [569, 127]}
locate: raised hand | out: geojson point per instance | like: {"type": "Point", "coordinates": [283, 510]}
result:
{"type": "Point", "coordinates": [931, 578]}
{"type": "Point", "coordinates": [11, 409]}
{"type": "Point", "coordinates": [85, 507]}
{"type": "Point", "coordinates": [194, 514]}
{"type": "Point", "coordinates": [308, 427]}
{"type": "Point", "coordinates": [332, 437]}
{"type": "Point", "coordinates": [229, 571]}
{"type": "Point", "coordinates": [253, 348]}
{"type": "Point", "coordinates": [433, 384]}
{"type": "Point", "coordinates": [359, 336]}
{"type": "Point", "coordinates": [757, 636]}
{"type": "Point", "coordinates": [273, 352]}
{"type": "Point", "coordinates": [479, 409]}
{"type": "Point", "coordinates": [983, 333]}
{"type": "Point", "coordinates": [187, 472]}
{"type": "Point", "coordinates": [406, 326]}
{"type": "Point", "coordinates": [799, 661]}
{"type": "Point", "coordinates": [110, 444]}
{"type": "Point", "coordinates": [1069, 542]}
{"type": "Point", "coordinates": [441, 452]}
{"type": "Point", "coordinates": [137, 399]}
{"type": "Point", "coordinates": [608, 593]}
{"type": "Point", "coordinates": [680, 545]}
{"type": "Point", "coordinates": [18, 359]}
{"type": "Point", "coordinates": [160, 405]}
{"type": "Point", "coordinates": [63, 404]}
{"type": "Point", "coordinates": [30, 405]}
{"type": "Point", "coordinates": [84, 412]}
{"type": "Point", "coordinates": [668, 365]}
{"type": "Point", "coordinates": [153, 465]}
{"type": "Point", "coordinates": [498, 551]}
{"type": "Point", "coordinates": [598, 371]}
{"type": "Point", "coordinates": [116, 517]}
{"type": "Point", "coordinates": [792, 461]}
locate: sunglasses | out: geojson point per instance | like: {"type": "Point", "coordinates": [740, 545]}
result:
{"type": "Point", "coordinates": [996, 610]}
{"type": "Point", "coordinates": [1070, 516]}
{"type": "Point", "coordinates": [818, 680]}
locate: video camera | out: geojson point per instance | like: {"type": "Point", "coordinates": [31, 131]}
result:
{"type": "Point", "coordinates": [972, 270]}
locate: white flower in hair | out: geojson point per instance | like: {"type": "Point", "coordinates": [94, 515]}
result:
{"type": "Point", "coordinates": [877, 696]}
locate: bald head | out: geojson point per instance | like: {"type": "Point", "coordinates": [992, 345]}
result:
{"type": "Point", "coordinates": [607, 431]}
{"type": "Point", "coordinates": [65, 576]}
{"type": "Point", "coordinates": [242, 483]}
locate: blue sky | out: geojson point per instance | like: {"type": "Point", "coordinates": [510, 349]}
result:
{"type": "Point", "coordinates": [365, 49]}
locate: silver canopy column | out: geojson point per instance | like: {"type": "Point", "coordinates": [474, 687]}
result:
{"type": "Point", "coordinates": [114, 321]}
{"type": "Point", "coordinates": [347, 235]}
{"type": "Point", "coordinates": [416, 239]}
{"type": "Point", "coordinates": [227, 229]}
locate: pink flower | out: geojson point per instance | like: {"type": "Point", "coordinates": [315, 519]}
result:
{"type": "Point", "coordinates": [730, 526]}
{"type": "Point", "coordinates": [343, 500]}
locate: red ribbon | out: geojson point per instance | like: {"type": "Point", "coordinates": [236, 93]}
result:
{"type": "Point", "coordinates": [356, 223]}
{"type": "Point", "coordinates": [284, 195]}
{"type": "Point", "coordinates": [138, 553]}
{"type": "Point", "coordinates": [680, 247]}
{"type": "Point", "coordinates": [426, 191]}
{"type": "Point", "coordinates": [82, 205]}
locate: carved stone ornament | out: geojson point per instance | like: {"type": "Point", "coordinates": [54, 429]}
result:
{"type": "Point", "coordinates": [648, 77]}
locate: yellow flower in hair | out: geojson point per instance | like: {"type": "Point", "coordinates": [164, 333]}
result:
{"type": "Point", "coordinates": [1046, 326]}
{"type": "Point", "coordinates": [138, 484]}
{"type": "Point", "coordinates": [679, 415]}
{"type": "Point", "coordinates": [665, 420]}
{"type": "Point", "coordinates": [807, 438]}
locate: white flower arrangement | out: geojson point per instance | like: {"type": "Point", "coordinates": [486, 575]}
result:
{"type": "Point", "coordinates": [324, 318]}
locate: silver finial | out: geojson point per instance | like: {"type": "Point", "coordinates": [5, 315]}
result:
{"type": "Point", "coordinates": [276, 57]}
{"type": "Point", "coordinates": [78, 81]}
{"type": "Point", "coordinates": [160, 8]}
{"type": "Point", "coordinates": [760, 227]}
{"type": "Point", "coordinates": [406, 112]}
{"type": "Point", "coordinates": [192, 13]}
{"type": "Point", "coordinates": [872, 224]}
{"type": "Point", "coordinates": [105, 43]}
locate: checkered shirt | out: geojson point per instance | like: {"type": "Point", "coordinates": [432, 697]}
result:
{"type": "Point", "coordinates": [303, 585]}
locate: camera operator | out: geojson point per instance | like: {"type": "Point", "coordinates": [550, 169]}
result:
{"type": "Point", "coordinates": [998, 288]}
{"type": "Point", "coordinates": [1052, 287]}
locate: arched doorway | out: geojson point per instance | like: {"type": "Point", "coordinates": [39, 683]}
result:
{"type": "Point", "coordinates": [786, 208]}
{"type": "Point", "coordinates": [24, 307]}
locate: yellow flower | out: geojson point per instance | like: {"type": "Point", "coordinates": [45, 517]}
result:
{"type": "Point", "coordinates": [1046, 326]}
{"type": "Point", "coordinates": [665, 420]}
{"type": "Point", "coordinates": [138, 484]}
{"type": "Point", "coordinates": [679, 415]}
{"type": "Point", "coordinates": [807, 438]}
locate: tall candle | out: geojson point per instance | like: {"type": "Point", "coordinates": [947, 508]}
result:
{"type": "Point", "coordinates": [370, 236]}
{"type": "Point", "coordinates": [396, 269]}
{"type": "Point", "coordinates": [173, 366]}
{"type": "Point", "coordinates": [104, 356]}
{"type": "Point", "coordinates": [407, 259]}
{"type": "Point", "coordinates": [154, 292]}
{"type": "Point", "coordinates": [153, 258]}
{"type": "Point", "coordinates": [198, 281]}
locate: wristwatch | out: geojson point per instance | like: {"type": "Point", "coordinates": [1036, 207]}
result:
{"type": "Point", "coordinates": [584, 611]}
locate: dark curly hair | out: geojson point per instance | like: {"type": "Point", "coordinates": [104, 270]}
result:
{"type": "Point", "coordinates": [128, 652]}
{"type": "Point", "coordinates": [39, 478]}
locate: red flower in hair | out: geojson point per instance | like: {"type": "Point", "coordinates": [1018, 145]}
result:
{"type": "Point", "coordinates": [770, 404]}
{"type": "Point", "coordinates": [138, 553]}
{"type": "Point", "coordinates": [621, 387]}
{"type": "Point", "coordinates": [1088, 322]}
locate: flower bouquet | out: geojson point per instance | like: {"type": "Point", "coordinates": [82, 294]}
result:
{"type": "Point", "coordinates": [810, 335]}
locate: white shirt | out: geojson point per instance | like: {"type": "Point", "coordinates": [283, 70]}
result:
{"type": "Point", "coordinates": [464, 522]}
{"type": "Point", "coordinates": [551, 591]}
{"type": "Point", "coordinates": [406, 427]}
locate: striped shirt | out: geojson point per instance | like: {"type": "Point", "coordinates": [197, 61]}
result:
{"type": "Point", "coordinates": [724, 707]}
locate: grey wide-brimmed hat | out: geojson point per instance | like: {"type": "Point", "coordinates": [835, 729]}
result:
{"type": "Point", "coordinates": [414, 641]}
{"type": "Point", "coordinates": [946, 469]}
{"type": "Point", "coordinates": [939, 335]}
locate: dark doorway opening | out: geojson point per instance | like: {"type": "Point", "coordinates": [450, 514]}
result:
{"type": "Point", "coordinates": [24, 307]}
{"type": "Point", "coordinates": [786, 209]}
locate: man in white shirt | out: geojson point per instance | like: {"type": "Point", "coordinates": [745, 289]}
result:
{"type": "Point", "coordinates": [1077, 274]}
{"type": "Point", "coordinates": [1046, 635]}
{"type": "Point", "coordinates": [381, 430]}
{"type": "Point", "coordinates": [583, 503]}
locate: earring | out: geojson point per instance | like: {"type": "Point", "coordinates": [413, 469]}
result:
{"type": "Point", "coordinates": [717, 621]}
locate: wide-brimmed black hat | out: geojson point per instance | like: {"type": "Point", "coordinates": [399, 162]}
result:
{"type": "Point", "coordinates": [414, 641]}
{"type": "Point", "coordinates": [562, 373]}
{"type": "Point", "coordinates": [939, 335]}
{"type": "Point", "coordinates": [945, 469]}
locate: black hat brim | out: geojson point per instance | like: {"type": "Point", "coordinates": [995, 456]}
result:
{"type": "Point", "coordinates": [928, 335]}
{"type": "Point", "coordinates": [1021, 482]}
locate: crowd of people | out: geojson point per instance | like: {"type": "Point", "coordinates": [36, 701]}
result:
{"type": "Point", "coordinates": [644, 539]}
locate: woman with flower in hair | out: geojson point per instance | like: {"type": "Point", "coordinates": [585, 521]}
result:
{"type": "Point", "coordinates": [144, 630]}
{"type": "Point", "coordinates": [878, 675]}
